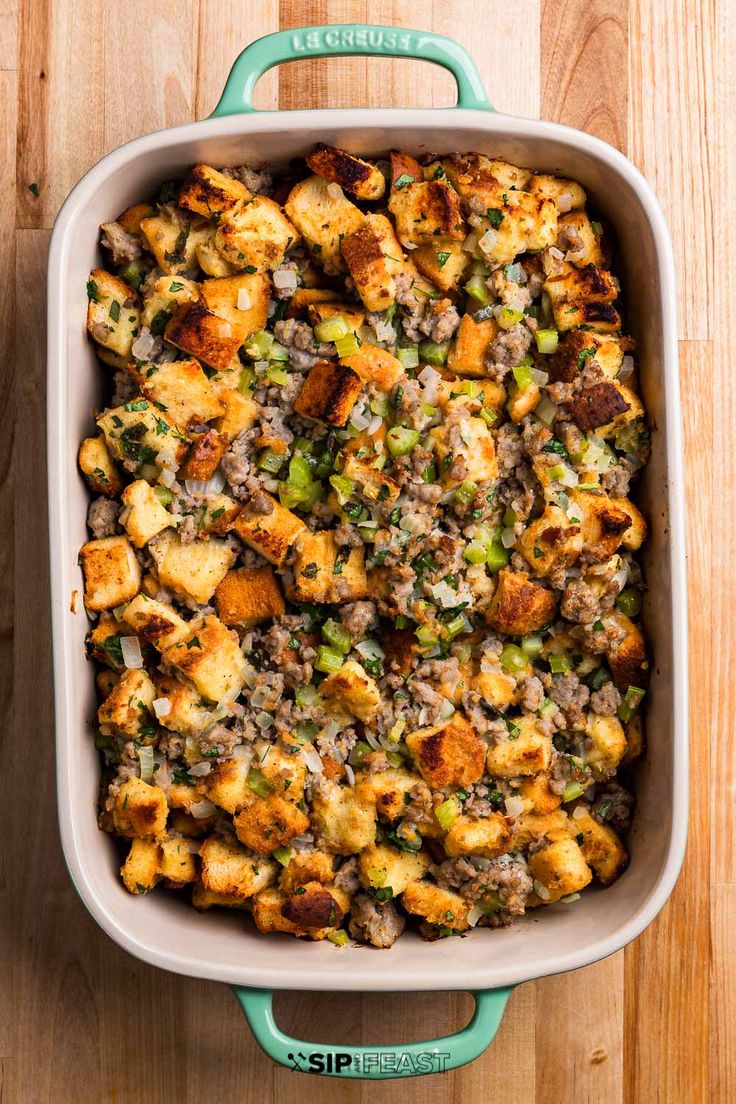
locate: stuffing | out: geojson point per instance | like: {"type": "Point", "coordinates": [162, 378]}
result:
{"type": "Point", "coordinates": [551, 542]}
{"type": "Point", "coordinates": [167, 295]}
{"type": "Point", "coordinates": [112, 575]}
{"type": "Point", "coordinates": [600, 846]}
{"type": "Point", "coordinates": [451, 754]}
{"type": "Point", "coordinates": [525, 750]}
{"type": "Point", "coordinates": [465, 452]}
{"type": "Point", "coordinates": [388, 789]}
{"type": "Point", "coordinates": [559, 870]}
{"type": "Point", "coordinates": [328, 393]}
{"type": "Point", "coordinates": [210, 193]}
{"type": "Point", "coordinates": [248, 595]}
{"type": "Point", "coordinates": [362, 179]}
{"type": "Point", "coordinates": [231, 871]}
{"type": "Point", "coordinates": [113, 313]}
{"type": "Point", "coordinates": [606, 745]}
{"type": "Point", "coordinates": [127, 710]}
{"type": "Point", "coordinates": [344, 820]}
{"type": "Point", "coordinates": [438, 906]}
{"type": "Point", "coordinates": [176, 863]}
{"type": "Point", "coordinates": [520, 606]}
{"type": "Point", "coordinates": [143, 516]}
{"type": "Point", "coordinates": [269, 528]}
{"type": "Point", "coordinates": [186, 713]}
{"type": "Point", "coordinates": [488, 837]}
{"type": "Point", "coordinates": [99, 468]}
{"type": "Point", "coordinates": [140, 810]}
{"type": "Point", "coordinates": [269, 822]}
{"type": "Point", "coordinates": [444, 262]}
{"type": "Point", "coordinates": [191, 570]}
{"type": "Point", "coordinates": [353, 691]}
{"type": "Point", "coordinates": [375, 259]}
{"type": "Point", "coordinates": [375, 365]}
{"type": "Point", "coordinates": [424, 211]}
{"type": "Point", "coordinates": [210, 657]}
{"type": "Point", "coordinates": [327, 572]}
{"type": "Point", "coordinates": [584, 297]}
{"type": "Point", "coordinates": [324, 217]}
{"type": "Point", "coordinates": [173, 241]}
{"type": "Point", "coordinates": [138, 433]}
{"type": "Point", "coordinates": [382, 867]}
{"type": "Point", "coordinates": [467, 356]}
{"type": "Point", "coordinates": [255, 234]}
{"type": "Point", "coordinates": [181, 390]}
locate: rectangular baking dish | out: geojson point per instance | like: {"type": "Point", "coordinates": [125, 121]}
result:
{"type": "Point", "coordinates": [158, 929]}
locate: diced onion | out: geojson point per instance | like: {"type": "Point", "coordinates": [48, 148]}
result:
{"type": "Point", "coordinates": [474, 915]}
{"type": "Point", "coordinates": [370, 649]}
{"type": "Point", "coordinates": [145, 757]}
{"type": "Point", "coordinates": [539, 377]}
{"type": "Point", "coordinates": [569, 478]}
{"type": "Point", "coordinates": [260, 696]}
{"type": "Point", "coordinates": [488, 242]}
{"type": "Point", "coordinates": [579, 812]}
{"type": "Point", "coordinates": [385, 332]}
{"type": "Point", "coordinates": [627, 368]}
{"type": "Point", "coordinates": [564, 202]}
{"type": "Point", "coordinates": [130, 647]}
{"type": "Point", "coordinates": [286, 280]}
{"type": "Point", "coordinates": [250, 674]}
{"type": "Point", "coordinates": [349, 775]}
{"type": "Point", "coordinates": [514, 806]}
{"type": "Point", "coordinates": [205, 487]}
{"type": "Point", "coordinates": [312, 759]}
{"type": "Point", "coordinates": [373, 740]}
{"type": "Point", "coordinates": [199, 770]}
{"type": "Point", "coordinates": [470, 243]}
{"type": "Point", "coordinates": [374, 425]}
{"type": "Point", "coordinates": [359, 421]}
{"type": "Point", "coordinates": [541, 891]}
{"type": "Point", "coordinates": [446, 710]}
{"type": "Point", "coordinates": [264, 720]}
{"type": "Point", "coordinates": [508, 538]}
{"type": "Point", "coordinates": [143, 345]}
{"type": "Point", "coordinates": [167, 477]}
{"type": "Point", "coordinates": [225, 329]}
{"type": "Point", "coordinates": [429, 378]}
{"type": "Point", "coordinates": [330, 730]}
{"type": "Point", "coordinates": [161, 707]}
{"type": "Point", "coordinates": [443, 593]}
{"type": "Point", "coordinates": [412, 523]}
{"type": "Point", "coordinates": [202, 809]}
{"type": "Point", "coordinates": [620, 577]}
{"type": "Point", "coordinates": [546, 411]}
{"type": "Point", "coordinates": [244, 302]}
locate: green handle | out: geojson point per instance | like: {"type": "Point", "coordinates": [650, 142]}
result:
{"type": "Point", "coordinates": [374, 1063]}
{"type": "Point", "coordinates": [338, 40]}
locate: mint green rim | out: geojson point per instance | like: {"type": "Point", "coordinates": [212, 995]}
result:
{"type": "Point", "coordinates": [374, 1063]}
{"type": "Point", "coordinates": [339, 40]}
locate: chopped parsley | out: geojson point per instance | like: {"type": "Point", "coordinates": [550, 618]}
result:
{"type": "Point", "coordinates": [583, 355]}
{"type": "Point", "coordinates": [442, 259]}
{"type": "Point", "coordinates": [403, 180]}
{"type": "Point", "coordinates": [494, 216]}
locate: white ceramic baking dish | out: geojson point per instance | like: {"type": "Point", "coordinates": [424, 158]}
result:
{"type": "Point", "coordinates": [159, 928]}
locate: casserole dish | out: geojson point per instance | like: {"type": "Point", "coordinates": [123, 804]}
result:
{"type": "Point", "coordinates": [219, 947]}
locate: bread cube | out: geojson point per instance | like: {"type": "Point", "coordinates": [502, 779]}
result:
{"type": "Point", "coordinates": [538, 795]}
{"type": "Point", "coordinates": [113, 312]}
{"type": "Point", "coordinates": [476, 176]}
{"type": "Point", "coordinates": [141, 870]}
{"type": "Point", "coordinates": [193, 570]}
{"type": "Point", "coordinates": [387, 789]}
{"type": "Point", "coordinates": [131, 218]}
{"type": "Point", "coordinates": [469, 836]}
{"type": "Point", "coordinates": [351, 689]}
{"type": "Point", "coordinates": [282, 766]}
{"type": "Point", "coordinates": [204, 456]}
{"type": "Point", "coordinates": [181, 390]}
{"type": "Point", "coordinates": [255, 235]}
{"type": "Point", "coordinates": [534, 827]}
{"type": "Point", "coordinates": [188, 714]}
{"type": "Point", "coordinates": [103, 644]}
{"type": "Point", "coordinates": [497, 688]}
{"type": "Point", "coordinates": [112, 574]}
{"type": "Point", "coordinates": [584, 297]}
{"type": "Point", "coordinates": [375, 365]}
{"type": "Point", "coordinates": [353, 174]}
{"type": "Point", "coordinates": [354, 317]}
{"type": "Point", "coordinates": [344, 819]}
{"type": "Point", "coordinates": [126, 711]}
{"type": "Point", "coordinates": [167, 294]}
{"type": "Point", "coordinates": [635, 535]}
{"type": "Point", "coordinates": [138, 432]}
{"type": "Point", "coordinates": [598, 405]}
{"type": "Point", "coordinates": [325, 573]}
{"type": "Point", "coordinates": [324, 218]}
{"type": "Point", "coordinates": [526, 750]}
{"type": "Point", "coordinates": [228, 869]}
{"type": "Point", "coordinates": [306, 866]}
{"type": "Point", "coordinates": [522, 401]}
{"type": "Point", "coordinates": [601, 847]}
{"type": "Point", "coordinates": [519, 222]}
{"type": "Point", "coordinates": [209, 193]}
{"type": "Point", "coordinates": [311, 913]}
{"type": "Point", "coordinates": [478, 452]}
{"type": "Point", "coordinates": [155, 622]}
{"type": "Point", "coordinates": [306, 297]}
{"type": "Point", "coordinates": [143, 516]}
{"type": "Point", "coordinates": [140, 810]}
{"type": "Point", "coordinates": [240, 413]}
{"type": "Point", "coordinates": [603, 524]}
{"type": "Point", "coordinates": [627, 659]}
{"type": "Point", "coordinates": [468, 351]}
{"type": "Point", "coordinates": [453, 393]}
{"type": "Point", "coordinates": [520, 606]}
{"type": "Point", "coordinates": [560, 869]}
{"type": "Point", "coordinates": [371, 482]}
{"type": "Point", "coordinates": [426, 210]}
{"type": "Point", "coordinates": [204, 899]}
{"type": "Point", "coordinates": [177, 862]}
{"type": "Point", "coordinates": [630, 408]}
{"type": "Point", "coordinates": [209, 258]}
{"type": "Point", "coordinates": [444, 262]}
{"type": "Point", "coordinates": [328, 393]}
{"type": "Point", "coordinates": [248, 595]}
{"type": "Point", "coordinates": [271, 534]}
{"type": "Point", "coordinates": [242, 300]}
{"type": "Point", "coordinates": [605, 745]}
{"type": "Point", "coordinates": [206, 335]}
{"type": "Point", "coordinates": [211, 659]}
{"type": "Point", "coordinates": [98, 467]}
{"type": "Point", "coordinates": [567, 194]}
{"type": "Point", "coordinates": [577, 347]}
{"type": "Point", "coordinates": [551, 542]}
{"type": "Point", "coordinates": [227, 784]}
{"type": "Point", "coordinates": [578, 239]}
{"type": "Point", "coordinates": [450, 754]}
{"type": "Point", "coordinates": [438, 906]}
{"type": "Point", "coordinates": [173, 241]}
{"type": "Point", "coordinates": [634, 741]}
{"type": "Point", "coordinates": [269, 822]}
{"type": "Point", "coordinates": [375, 258]}
{"type": "Point", "coordinates": [384, 867]}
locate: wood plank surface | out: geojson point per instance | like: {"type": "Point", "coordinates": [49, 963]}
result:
{"type": "Point", "coordinates": [80, 1021]}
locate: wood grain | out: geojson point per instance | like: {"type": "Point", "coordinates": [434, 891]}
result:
{"type": "Point", "coordinates": [81, 1021]}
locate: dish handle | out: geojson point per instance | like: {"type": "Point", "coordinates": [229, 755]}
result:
{"type": "Point", "coordinates": [374, 1063]}
{"type": "Point", "coordinates": [338, 40]}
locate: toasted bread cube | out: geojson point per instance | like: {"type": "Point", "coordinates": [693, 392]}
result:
{"type": "Point", "coordinates": [325, 573]}
{"type": "Point", "coordinates": [141, 870]}
{"type": "Point", "coordinates": [598, 405]}
{"type": "Point", "coordinates": [578, 240]}
{"type": "Point", "coordinates": [306, 297]}
{"type": "Point", "coordinates": [173, 241]}
{"type": "Point", "coordinates": [567, 194]}
{"type": "Point", "coordinates": [520, 606]}
{"type": "Point", "coordinates": [353, 174]}
{"type": "Point", "coordinates": [354, 317]}
{"type": "Point", "coordinates": [155, 622]}
{"type": "Point", "coordinates": [603, 523]}
{"type": "Point", "coordinates": [255, 234]}
{"type": "Point", "coordinates": [452, 392]}
{"type": "Point", "coordinates": [372, 483]}
{"type": "Point", "coordinates": [99, 468]}
{"type": "Point", "coordinates": [606, 745]}
{"type": "Point", "coordinates": [140, 810]}
{"type": "Point", "coordinates": [306, 866]}
{"type": "Point", "coordinates": [631, 408]}
{"type": "Point", "coordinates": [534, 827]}
{"type": "Point", "coordinates": [488, 838]}
{"type": "Point", "coordinates": [601, 847]}
{"type": "Point", "coordinates": [310, 912]}
{"type": "Point", "coordinates": [228, 869]}
{"type": "Point", "coordinates": [208, 192]}
{"type": "Point", "coordinates": [451, 754]}
{"type": "Point", "coordinates": [560, 869]}
{"type": "Point", "coordinates": [345, 819]}
{"type": "Point", "coordinates": [103, 643]}
{"type": "Point", "coordinates": [476, 176]}
{"type": "Point", "coordinates": [438, 906]}
{"type": "Point", "coordinates": [538, 794]}
{"type": "Point", "coordinates": [269, 822]}
{"type": "Point", "coordinates": [181, 390]}
{"type": "Point", "coordinates": [205, 335]}
{"type": "Point", "coordinates": [404, 170]}
{"type": "Point", "coordinates": [127, 709]}
{"type": "Point", "coordinates": [113, 312]}
{"type": "Point", "coordinates": [204, 456]}
{"type": "Point", "coordinates": [550, 542]}
{"type": "Point", "coordinates": [203, 899]}
{"type": "Point", "coordinates": [383, 867]}
{"type": "Point", "coordinates": [131, 218]}
{"type": "Point", "coordinates": [426, 210]}
{"type": "Point", "coordinates": [228, 297]}
{"type": "Point", "coordinates": [177, 861]}
{"type": "Point", "coordinates": [584, 296]}
{"type": "Point", "coordinates": [522, 401]}
{"type": "Point", "coordinates": [227, 784]}
{"type": "Point", "coordinates": [521, 222]}
{"type": "Point", "coordinates": [388, 789]}
{"type": "Point", "coordinates": [328, 393]}
{"type": "Point", "coordinates": [248, 595]}
{"type": "Point", "coordinates": [323, 219]}
{"type": "Point", "coordinates": [375, 365]}
{"type": "Point", "coordinates": [168, 293]}
{"type": "Point", "coordinates": [188, 714]}
{"type": "Point", "coordinates": [577, 347]}
{"type": "Point", "coordinates": [240, 413]}
{"type": "Point", "coordinates": [375, 258]}
{"type": "Point", "coordinates": [282, 766]}
{"type": "Point", "coordinates": [210, 260]}
{"type": "Point", "coordinates": [496, 687]}
{"type": "Point", "coordinates": [105, 682]}
{"type": "Point", "coordinates": [143, 516]}
{"type": "Point", "coordinates": [636, 534]}
{"type": "Point", "coordinates": [442, 262]}
{"type": "Point", "coordinates": [139, 432]}
{"type": "Point", "coordinates": [351, 689]}
{"type": "Point", "coordinates": [192, 570]}
{"type": "Point", "coordinates": [211, 659]}
{"type": "Point", "coordinates": [270, 534]}
{"type": "Point", "coordinates": [478, 453]}
{"type": "Point", "coordinates": [112, 574]}
{"type": "Point", "coordinates": [525, 752]}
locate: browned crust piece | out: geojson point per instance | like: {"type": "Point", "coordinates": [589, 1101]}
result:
{"type": "Point", "coordinates": [597, 405]}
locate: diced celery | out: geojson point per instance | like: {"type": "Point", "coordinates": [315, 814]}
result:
{"type": "Point", "coordinates": [282, 855]}
{"type": "Point", "coordinates": [277, 375]}
{"type": "Point", "coordinates": [508, 317]}
{"type": "Point", "coordinates": [532, 646]}
{"type": "Point", "coordinates": [523, 376]}
{"type": "Point", "coordinates": [434, 352]}
{"type": "Point", "coordinates": [358, 753]}
{"type": "Point", "coordinates": [476, 288]}
{"type": "Point", "coordinates": [337, 636]}
{"type": "Point", "coordinates": [466, 492]}
{"type": "Point", "coordinates": [429, 475]}
{"type": "Point", "coordinates": [344, 488]}
{"type": "Point", "coordinates": [427, 636]}
{"type": "Point", "coordinates": [164, 495]}
{"type": "Point", "coordinates": [380, 407]}
{"type": "Point", "coordinates": [408, 355]}
{"type": "Point", "coordinates": [331, 329]}
{"type": "Point", "coordinates": [559, 664]}
{"type": "Point", "coordinates": [401, 621]}
{"type": "Point", "coordinates": [475, 552]}
{"type": "Point", "coordinates": [328, 660]}
{"type": "Point", "coordinates": [401, 440]}
{"type": "Point", "coordinates": [428, 410]}
{"type": "Point", "coordinates": [630, 704]}
{"type": "Point", "coordinates": [546, 340]}
{"type": "Point", "coordinates": [488, 416]}
{"type": "Point", "coordinates": [133, 274]}
{"type": "Point", "coordinates": [509, 518]}
{"type": "Point", "coordinates": [572, 791]}
{"type": "Point", "coordinates": [270, 461]}
{"type": "Point", "coordinates": [347, 346]}
{"type": "Point", "coordinates": [557, 472]}
{"type": "Point", "coordinates": [306, 696]}
{"type": "Point", "coordinates": [629, 601]}
{"type": "Point", "coordinates": [497, 556]}
{"type": "Point", "coordinates": [548, 708]}
{"type": "Point", "coordinates": [260, 785]}
{"type": "Point", "coordinates": [447, 813]}
{"type": "Point", "coordinates": [453, 628]}
{"type": "Point", "coordinates": [247, 381]}
{"type": "Point", "coordinates": [278, 352]}
{"type": "Point", "coordinates": [292, 495]}
{"type": "Point", "coordinates": [300, 472]}
{"type": "Point", "coordinates": [513, 659]}
{"type": "Point", "coordinates": [259, 345]}
{"type": "Point", "coordinates": [325, 464]}
{"type": "Point", "coordinates": [339, 938]}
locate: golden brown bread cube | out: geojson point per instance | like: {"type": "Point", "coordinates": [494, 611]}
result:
{"type": "Point", "coordinates": [112, 574]}
{"type": "Point", "coordinates": [344, 819]}
{"type": "Point", "coordinates": [438, 906]}
{"type": "Point", "coordinates": [325, 907]}
{"type": "Point", "coordinates": [240, 413]}
{"type": "Point", "coordinates": [424, 211]}
{"type": "Point", "coordinates": [538, 794]}
{"type": "Point", "coordinates": [306, 866]}
{"type": "Point", "coordinates": [282, 766]}
{"type": "Point", "coordinates": [181, 390]}
{"type": "Point", "coordinates": [99, 468]}
{"type": "Point", "coordinates": [381, 867]}
{"type": "Point", "coordinates": [177, 861]}
{"type": "Point", "coordinates": [388, 789]}
{"type": "Point", "coordinates": [550, 542]}
{"type": "Point", "coordinates": [141, 870]}
{"type": "Point", "coordinates": [375, 258]}
{"type": "Point", "coordinates": [192, 571]}
{"type": "Point", "coordinates": [227, 784]}
{"type": "Point", "coordinates": [577, 348]}
{"type": "Point", "coordinates": [210, 657]}
{"type": "Point", "coordinates": [205, 335]}
{"type": "Point", "coordinates": [113, 312]}
{"type": "Point", "coordinates": [444, 262]}
{"type": "Point", "coordinates": [208, 192]}
{"type": "Point", "coordinates": [155, 622]}
{"type": "Point", "coordinates": [578, 239]}
{"type": "Point", "coordinates": [228, 869]}
{"type": "Point", "coordinates": [476, 176]}
{"type": "Point", "coordinates": [601, 847]}
{"type": "Point", "coordinates": [534, 827]}
{"type": "Point", "coordinates": [204, 456]}
{"type": "Point", "coordinates": [636, 534]}
{"type": "Point", "coordinates": [353, 174]}
{"type": "Point", "coordinates": [584, 297]}
{"type": "Point", "coordinates": [138, 432]}
{"type": "Point", "coordinates": [323, 572]}
{"type": "Point", "coordinates": [450, 754]}
{"type": "Point", "coordinates": [143, 516]}
{"type": "Point", "coordinates": [351, 689]}
{"type": "Point", "coordinates": [324, 217]}
{"type": "Point", "coordinates": [560, 869]}
{"type": "Point", "coordinates": [477, 452]}
{"type": "Point", "coordinates": [526, 750]}
{"type": "Point", "coordinates": [606, 745]}
{"type": "Point", "coordinates": [203, 899]}
{"type": "Point", "coordinates": [103, 644]}
{"type": "Point", "coordinates": [353, 317]}
{"type": "Point", "coordinates": [306, 297]}
{"type": "Point", "coordinates": [167, 294]}
{"type": "Point", "coordinates": [328, 393]}
{"type": "Point", "coordinates": [187, 714]}
{"type": "Point", "coordinates": [567, 194]}
{"type": "Point", "coordinates": [140, 810]}
{"type": "Point", "coordinates": [519, 605]}
{"type": "Point", "coordinates": [603, 523]}
{"type": "Point", "coordinates": [371, 481]}
{"type": "Point", "coordinates": [173, 240]}
{"type": "Point", "coordinates": [488, 837]}
{"type": "Point", "coordinates": [131, 218]}
{"type": "Point", "coordinates": [522, 400]}
{"type": "Point", "coordinates": [468, 350]}
{"type": "Point", "coordinates": [375, 365]}
{"type": "Point", "coordinates": [518, 222]}
{"type": "Point", "coordinates": [255, 234]}
{"type": "Point", "coordinates": [128, 708]}
{"type": "Point", "coordinates": [273, 533]}
{"type": "Point", "coordinates": [497, 688]}
{"type": "Point", "coordinates": [248, 595]}
{"type": "Point", "coordinates": [269, 822]}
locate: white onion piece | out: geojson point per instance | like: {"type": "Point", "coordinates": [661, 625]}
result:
{"type": "Point", "coordinates": [446, 710]}
{"type": "Point", "coordinates": [488, 242]}
{"type": "Point", "coordinates": [370, 649]}
{"type": "Point", "coordinates": [199, 770]}
{"type": "Point", "coordinates": [514, 806]}
{"type": "Point", "coordinates": [541, 891]}
{"type": "Point", "coordinates": [330, 730]}
{"type": "Point", "coordinates": [412, 523]}
{"type": "Point", "coordinates": [546, 411]}
{"type": "Point", "coordinates": [569, 478]}
{"type": "Point", "coordinates": [145, 758]}
{"type": "Point", "coordinates": [264, 720]}
{"type": "Point", "coordinates": [143, 345]}
{"type": "Point", "coordinates": [385, 332]}
{"type": "Point", "coordinates": [539, 377]}
{"type": "Point", "coordinates": [244, 302]}
{"type": "Point", "coordinates": [259, 697]}
{"type": "Point", "coordinates": [161, 707]}
{"type": "Point", "coordinates": [579, 812]}
{"type": "Point", "coordinates": [470, 243]}
{"type": "Point", "coordinates": [620, 577]}
{"type": "Point", "coordinates": [167, 477]}
{"type": "Point", "coordinates": [375, 424]}
{"type": "Point", "coordinates": [564, 202]}
{"type": "Point", "coordinates": [474, 915]}
{"type": "Point", "coordinates": [205, 487]}
{"type": "Point", "coordinates": [359, 421]}
{"type": "Point", "coordinates": [443, 593]}
{"type": "Point", "coordinates": [130, 646]}
{"type": "Point", "coordinates": [286, 280]}
{"type": "Point", "coordinates": [508, 538]}
{"type": "Point", "coordinates": [372, 739]}
{"type": "Point", "coordinates": [627, 368]}
{"type": "Point", "coordinates": [202, 809]}
{"type": "Point", "coordinates": [312, 759]}
{"type": "Point", "coordinates": [334, 190]}
{"type": "Point", "coordinates": [349, 775]}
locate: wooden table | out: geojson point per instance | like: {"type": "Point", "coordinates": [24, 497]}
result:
{"type": "Point", "coordinates": [82, 1021]}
